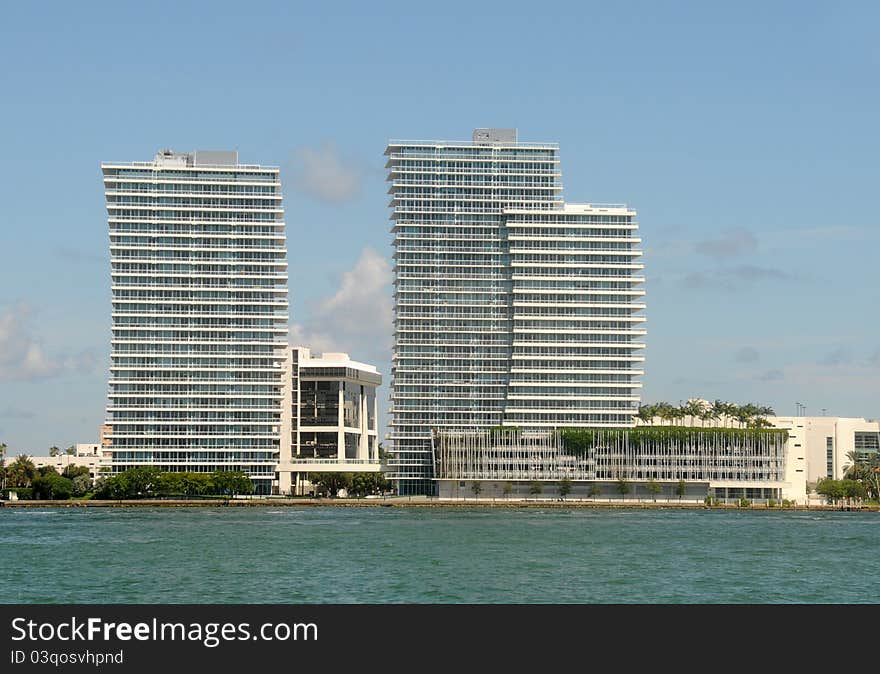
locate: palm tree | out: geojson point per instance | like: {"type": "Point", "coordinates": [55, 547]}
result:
{"type": "Point", "coordinates": [693, 408]}
{"type": "Point", "coordinates": [677, 413]}
{"type": "Point", "coordinates": [664, 411]}
{"type": "Point", "coordinates": [873, 477]}
{"type": "Point", "coordinates": [722, 411]}
{"type": "Point", "coordinates": [741, 414]}
{"type": "Point", "coordinates": [21, 472]}
{"type": "Point", "coordinates": [594, 490]}
{"type": "Point", "coordinates": [708, 413]}
{"type": "Point", "coordinates": [750, 411]}
{"type": "Point", "coordinates": [855, 469]}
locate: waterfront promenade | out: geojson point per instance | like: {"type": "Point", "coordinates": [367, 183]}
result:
{"type": "Point", "coordinates": [424, 502]}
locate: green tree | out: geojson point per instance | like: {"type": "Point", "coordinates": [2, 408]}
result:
{"type": "Point", "coordinates": [70, 451]}
{"type": "Point", "coordinates": [360, 485]}
{"type": "Point", "coordinates": [832, 490]}
{"type": "Point", "coordinates": [594, 490]}
{"type": "Point", "coordinates": [853, 489]}
{"type": "Point", "coordinates": [623, 486]}
{"type": "Point", "coordinates": [113, 487]}
{"type": "Point", "coordinates": [71, 471]}
{"type": "Point", "coordinates": [140, 482]}
{"type": "Point", "coordinates": [2, 465]}
{"type": "Point", "coordinates": [21, 472]}
{"type": "Point", "coordinates": [144, 481]}
{"type": "Point", "coordinates": [507, 490]}
{"type": "Point", "coordinates": [693, 408]}
{"type": "Point", "coordinates": [363, 484]}
{"type": "Point", "coordinates": [82, 484]}
{"type": "Point", "coordinates": [48, 484]}
{"type": "Point", "coordinates": [654, 488]}
{"type": "Point", "coordinates": [564, 487]}
{"type": "Point", "coordinates": [681, 489]}
{"type": "Point", "coordinates": [171, 483]}
{"type": "Point", "coordinates": [329, 484]}
{"type": "Point", "coordinates": [477, 488]}
{"type": "Point", "coordinates": [381, 484]}
{"type": "Point", "coordinates": [855, 469]}
{"type": "Point", "coordinates": [59, 488]}
{"type": "Point", "coordinates": [196, 484]}
{"type": "Point", "coordinates": [231, 483]}
{"type": "Point", "coordinates": [536, 488]}
{"type": "Point", "coordinates": [54, 451]}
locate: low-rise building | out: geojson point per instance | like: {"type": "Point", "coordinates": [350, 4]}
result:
{"type": "Point", "coordinates": [644, 462]}
{"type": "Point", "coordinates": [62, 461]}
{"type": "Point", "coordinates": [827, 444]}
{"type": "Point", "coordinates": [329, 419]}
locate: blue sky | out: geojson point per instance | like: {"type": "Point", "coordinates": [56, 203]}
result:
{"type": "Point", "coordinates": [745, 134]}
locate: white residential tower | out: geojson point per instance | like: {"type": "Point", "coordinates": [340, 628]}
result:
{"type": "Point", "coordinates": [199, 320]}
{"type": "Point", "coordinates": [512, 308]}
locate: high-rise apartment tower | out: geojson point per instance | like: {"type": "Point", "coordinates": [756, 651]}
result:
{"type": "Point", "coordinates": [512, 308]}
{"type": "Point", "coordinates": [199, 321]}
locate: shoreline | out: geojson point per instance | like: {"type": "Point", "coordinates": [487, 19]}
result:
{"type": "Point", "coordinates": [404, 502]}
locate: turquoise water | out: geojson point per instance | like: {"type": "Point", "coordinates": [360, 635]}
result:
{"type": "Point", "coordinates": [378, 555]}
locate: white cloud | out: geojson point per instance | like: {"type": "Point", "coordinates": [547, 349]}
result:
{"type": "Point", "coordinates": [323, 174]}
{"type": "Point", "coordinates": [357, 318]}
{"type": "Point", "coordinates": [23, 355]}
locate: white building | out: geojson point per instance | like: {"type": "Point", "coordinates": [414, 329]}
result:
{"type": "Point", "coordinates": [723, 463]}
{"type": "Point", "coordinates": [199, 320]}
{"type": "Point", "coordinates": [88, 449]}
{"type": "Point", "coordinates": [511, 307]}
{"type": "Point", "coordinates": [62, 461]}
{"type": "Point", "coordinates": [330, 417]}
{"type": "Point", "coordinates": [825, 442]}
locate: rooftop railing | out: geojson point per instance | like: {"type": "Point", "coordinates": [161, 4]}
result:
{"type": "Point", "coordinates": [472, 143]}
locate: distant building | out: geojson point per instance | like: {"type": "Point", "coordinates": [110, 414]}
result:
{"type": "Point", "coordinates": [88, 449]}
{"type": "Point", "coordinates": [62, 461]}
{"type": "Point", "coordinates": [825, 443]}
{"type": "Point", "coordinates": [330, 417]}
